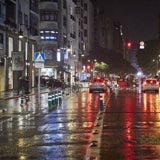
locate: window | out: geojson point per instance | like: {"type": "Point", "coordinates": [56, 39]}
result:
{"type": "Point", "coordinates": [25, 20]}
{"type": "Point", "coordinates": [34, 5]}
{"type": "Point", "coordinates": [34, 24]}
{"type": "Point", "coordinates": [81, 13]}
{"type": "Point", "coordinates": [72, 17]}
{"type": "Point", "coordinates": [85, 20]}
{"type": "Point", "coordinates": [78, 10]}
{"type": "Point", "coordinates": [64, 21]}
{"type": "Point", "coordinates": [75, 1]}
{"type": "Point", "coordinates": [0, 9]}
{"type": "Point", "coordinates": [64, 4]}
{"type": "Point", "coordinates": [20, 17]}
{"type": "Point", "coordinates": [49, 16]}
{"type": "Point", "coordinates": [85, 6]}
{"type": "Point", "coordinates": [81, 24]}
{"type": "Point", "coordinates": [1, 38]}
{"type": "Point", "coordinates": [49, 35]}
{"type": "Point", "coordinates": [85, 33]}
{"type": "Point", "coordinates": [11, 14]}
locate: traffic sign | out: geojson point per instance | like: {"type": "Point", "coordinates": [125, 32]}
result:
{"type": "Point", "coordinates": [39, 59]}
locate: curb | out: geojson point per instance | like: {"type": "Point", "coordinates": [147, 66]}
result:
{"type": "Point", "coordinates": [93, 151]}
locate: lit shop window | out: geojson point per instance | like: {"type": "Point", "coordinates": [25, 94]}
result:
{"type": "Point", "coordinates": [49, 35]}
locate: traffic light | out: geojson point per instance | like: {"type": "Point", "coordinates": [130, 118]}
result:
{"type": "Point", "coordinates": [88, 67]}
{"type": "Point", "coordinates": [129, 44]}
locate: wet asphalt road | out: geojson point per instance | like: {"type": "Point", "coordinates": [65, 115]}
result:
{"type": "Point", "coordinates": [29, 131]}
{"type": "Point", "coordinates": [131, 129]}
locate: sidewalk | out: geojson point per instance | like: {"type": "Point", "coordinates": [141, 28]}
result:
{"type": "Point", "coordinates": [13, 93]}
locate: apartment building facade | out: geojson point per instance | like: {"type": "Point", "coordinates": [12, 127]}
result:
{"type": "Point", "coordinates": [17, 54]}
{"type": "Point", "coordinates": [64, 52]}
{"type": "Point", "coordinates": [59, 28]}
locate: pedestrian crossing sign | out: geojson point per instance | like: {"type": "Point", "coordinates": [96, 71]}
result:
{"type": "Point", "coordinates": [39, 58]}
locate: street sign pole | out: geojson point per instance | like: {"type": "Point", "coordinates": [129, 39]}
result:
{"type": "Point", "coordinates": [39, 63]}
{"type": "Point", "coordinates": [39, 87]}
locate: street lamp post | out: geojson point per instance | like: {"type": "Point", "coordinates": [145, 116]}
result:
{"type": "Point", "coordinates": [75, 67]}
{"type": "Point", "coordinates": [26, 60]}
{"type": "Point", "coordinates": [27, 64]}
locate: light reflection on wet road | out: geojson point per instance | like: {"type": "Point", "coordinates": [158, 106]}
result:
{"type": "Point", "coordinates": [132, 127]}
{"type": "Point", "coordinates": [36, 132]}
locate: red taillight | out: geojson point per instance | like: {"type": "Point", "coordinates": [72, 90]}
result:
{"type": "Point", "coordinates": [152, 82]}
{"type": "Point", "coordinates": [145, 83]}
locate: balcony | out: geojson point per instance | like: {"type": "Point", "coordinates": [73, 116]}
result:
{"type": "Point", "coordinates": [48, 5]}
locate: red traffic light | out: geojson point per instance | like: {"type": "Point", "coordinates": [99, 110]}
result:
{"type": "Point", "coordinates": [88, 67]}
{"type": "Point", "coordinates": [129, 44]}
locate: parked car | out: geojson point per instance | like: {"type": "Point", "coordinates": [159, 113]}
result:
{"type": "Point", "coordinates": [150, 84]}
{"type": "Point", "coordinates": [44, 80]}
{"type": "Point", "coordinates": [49, 81]}
{"type": "Point", "coordinates": [98, 84]}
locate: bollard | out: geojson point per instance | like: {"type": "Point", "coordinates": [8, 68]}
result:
{"type": "Point", "coordinates": [60, 97]}
{"type": "Point", "coordinates": [49, 99]}
{"type": "Point", "coordinates": [101, 102]}
{"type": "Point", "coordinates": [22, 100]}
{"type": "Point", "coordinates": [27, 100]}
{"type": "Point", "coordinates": [53, 98]}
{"type": "Point", "coordinates": [56, 97]}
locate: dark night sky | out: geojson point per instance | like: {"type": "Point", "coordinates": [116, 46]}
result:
{"type": "Point", "coordinates": [138, 17]}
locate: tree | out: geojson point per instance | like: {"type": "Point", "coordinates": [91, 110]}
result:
{"type": "Point", "coordinates": [115, 61]}
{"type": "Point", "coordinates": [101, 67]}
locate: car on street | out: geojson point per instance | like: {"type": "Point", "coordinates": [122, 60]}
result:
{"type": "Point", "coordinates": [150, 84]}
{"type": "Point", "coordinates": [98, 84]}
{"type": "Point", "coordinates": [122, 82]}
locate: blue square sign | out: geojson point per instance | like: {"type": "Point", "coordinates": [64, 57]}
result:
{"type": "Point", "coordinates": [39, 57]}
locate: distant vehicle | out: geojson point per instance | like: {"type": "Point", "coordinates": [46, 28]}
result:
{"type": "Point", "coordinates": [97, 85]}
{"type": "Point", "coordinates": [150, 84]}
{"type": "Point", "coordinates": [122, 82]}
{"type": "Point", "coordinates": [108, 82]}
